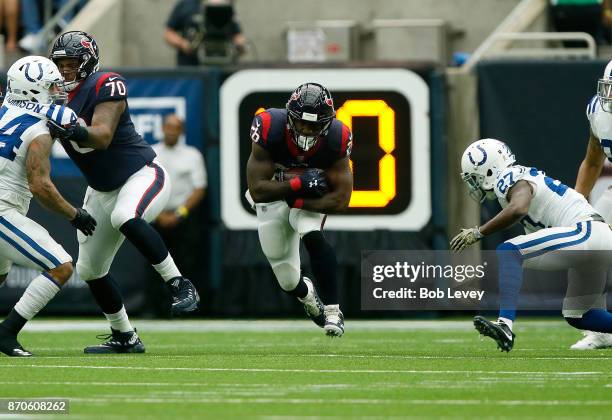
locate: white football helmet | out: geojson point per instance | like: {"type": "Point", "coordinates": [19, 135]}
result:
{"type": "Point", "coordinates": [35, 79]}
{"type": "Point", "coordinates": [604, 89]}
{"type": "Point", "coordinates": [480, 164]}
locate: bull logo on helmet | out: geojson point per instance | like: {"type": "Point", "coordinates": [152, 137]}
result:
{"type": "Point", "coordinates": [295, 95]}
{"type": "Point", "coordinates": [329, 101]}
{"type": "Point", "coordinates": [87, 44]}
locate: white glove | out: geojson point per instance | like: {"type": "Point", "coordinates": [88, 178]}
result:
{"type": "Point", "coordinates": [465, 238]}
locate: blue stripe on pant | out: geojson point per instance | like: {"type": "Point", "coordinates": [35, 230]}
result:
{"type": "Point", "coordinates": [511, 260]}
{"type": "Point", "coordinates": [30, 242]}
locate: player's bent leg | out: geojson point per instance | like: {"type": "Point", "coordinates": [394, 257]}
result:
{"type": "Point", "coordinates": [36, 296]}
{"type": "Point", "coordinates": [140, 201]}
{"type": "Point", "coordinates": [27, 243]}
{"type": "Point", "coordinates": [280, 244]}
{"type": "Point", "coordinates": [583, 294]}
{"type": "Point", "coordinates": [324, 265]}
{"type": "Point", "coordinates": [96, 254]}
{"type": "Point", "coordinates": [594, 340]}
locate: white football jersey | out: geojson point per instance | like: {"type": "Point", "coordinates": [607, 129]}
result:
{"type": "Point", "coordinates": [601, 125]}
{"type": "Point", "coordinates": [553, 204]}
{"type": "Point", "coordinates": [20, 123]}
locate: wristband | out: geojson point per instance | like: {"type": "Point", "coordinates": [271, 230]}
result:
{"type": "Point", "coordinates": [295, 184]}
{"type": "Point", "coordinates": [182, 212]}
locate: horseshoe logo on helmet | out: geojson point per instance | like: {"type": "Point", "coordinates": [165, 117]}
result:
{"type": "Point", "coordinates": [27, 69]}
{"type": "Point", "coordinates": [484, 156]}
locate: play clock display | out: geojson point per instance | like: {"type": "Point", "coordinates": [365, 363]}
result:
{"type": "Point", "coordinates": [387, 111]}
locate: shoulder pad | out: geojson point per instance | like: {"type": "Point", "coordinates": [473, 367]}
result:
{"type": "Point", "coordinates": [340, 138]}
{"type": "Point", "coordinates": [267, 124]}
{"type": "Point", "coordinates": [592, 106]}
{"type": "Point", "coordinates": [110, 86]}
{"type": "Point", "coordinates": [507, 178]}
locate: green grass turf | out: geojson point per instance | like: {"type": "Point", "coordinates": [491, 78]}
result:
{"type": "Point", "coordinates": [207, 369]}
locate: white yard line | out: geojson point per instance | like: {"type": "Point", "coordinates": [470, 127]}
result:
{"type": "Point", "coordinates": [260, 370]}
{"type": "Point", "coordinates": [318, 355]}
{"type": "Point", "coordinates": [265, 326]}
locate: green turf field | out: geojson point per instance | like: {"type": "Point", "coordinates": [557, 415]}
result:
{"type": "Point", "coordinates": [208, 369]}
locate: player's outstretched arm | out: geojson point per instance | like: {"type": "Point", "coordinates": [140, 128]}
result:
{"type": "Point", "coordinates": [340, 178]}
{"type": "Point", "coordinates": [38, 169]}
{"type": "Point", "coordinates": [591, 167]}
{"type": "Point", "coordinates": [260, 170]}
{"type": "Point", "coordinates": [103, 124]}
{"type": "Point", "coordinates": [519, 197]}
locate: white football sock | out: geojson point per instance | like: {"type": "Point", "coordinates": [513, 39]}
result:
{"type": "Point", "coordinates": [119, 321]}
{"type": "Point", "coordinates": [167, 269]}
{"type": "Point", "coordinates": [40, 291]}
{"type": "Point", "coordinates": [506, 321]}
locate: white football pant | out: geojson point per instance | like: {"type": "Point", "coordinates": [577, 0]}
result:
{"type": "Point", "coordinates": [143, 195]}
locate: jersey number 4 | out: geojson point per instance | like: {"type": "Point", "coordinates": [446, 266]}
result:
{"type": "Point", "coordinates": [10, 136]}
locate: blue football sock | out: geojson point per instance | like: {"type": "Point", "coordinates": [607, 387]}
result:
{"type": "Point", "coordinates": [598, 320]}
{"type": "Point", "coordinates": [510, 279]}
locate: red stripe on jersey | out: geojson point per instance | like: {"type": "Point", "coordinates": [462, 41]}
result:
{"type": "Point", "coordinates": [102, 80]}
{"type": "Point", "coordinates": [73, 93]}
{"type": "Point", "coordinates": [266, 122]}
{"type": "Point", "coordinates": [345, 137]}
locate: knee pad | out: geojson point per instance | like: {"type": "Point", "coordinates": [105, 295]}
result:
{"type": "Point", "coordinates": [286, 274]}
{"type": "Point", "coordinates": [86, 272]}
{"type": "Point", "coordinates": [508, 247]}
{"type": "Point", "coordinates": [121, 215]}
{"type": "Point", "coordinates": [272, 239]}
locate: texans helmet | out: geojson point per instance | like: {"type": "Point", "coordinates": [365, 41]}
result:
{"type": "Point", "coordinates": [310, 112]}
{"type": "Point", "coordinates": [80, 45]}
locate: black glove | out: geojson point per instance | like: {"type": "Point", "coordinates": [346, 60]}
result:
{"type": "Point", "coordinates": [59, 131]}
{"type": "Point", "coordinates": [84, 222]}
{"type": "Point", "coordinates": [68, 131]}
{"type": "Point", "coordinates": [311, 183]}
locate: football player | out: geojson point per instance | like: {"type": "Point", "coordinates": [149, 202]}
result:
{"type": "Point", "coordinates": [128, 188]}
{"type": "Point", "coordinates": [599, 114]}
{"type": "Point", "coordinates": [557, 222]}
{"type": "Point", "coordinates": [33, 86]}
{"type": "Point", "coordinates": [305, 140]}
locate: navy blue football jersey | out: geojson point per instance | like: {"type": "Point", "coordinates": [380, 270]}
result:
{"type": "Point", "coordinates": [269, 130]}
{"type": "Point", "coordinates": [128, 152]}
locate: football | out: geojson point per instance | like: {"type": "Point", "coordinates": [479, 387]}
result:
{"type": "Point", "coordinates": [293, 172]}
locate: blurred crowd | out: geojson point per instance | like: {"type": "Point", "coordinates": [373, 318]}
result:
{"type": "Point", "coordinates": [21, 21]}
{"type": "Point", "coordinates": [591, 16]}
{"type": "Point", "coordinates": [204, 31]}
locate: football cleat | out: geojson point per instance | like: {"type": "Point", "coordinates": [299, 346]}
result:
{"type": "Point", "coordinates": [117, 342]}
{"type": "Point", "coordinates": [593, 340]}
{"type": "Point", "coordinates": [185, 297]}
{"type": "Point", "coordinates": [312, 304]}
{"type": "Point", "coordinates": [498, 331]}
{"type": "Point", "coordinates": [11, 347]}
{"type": "Point", "coordinates": [334, 321]}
